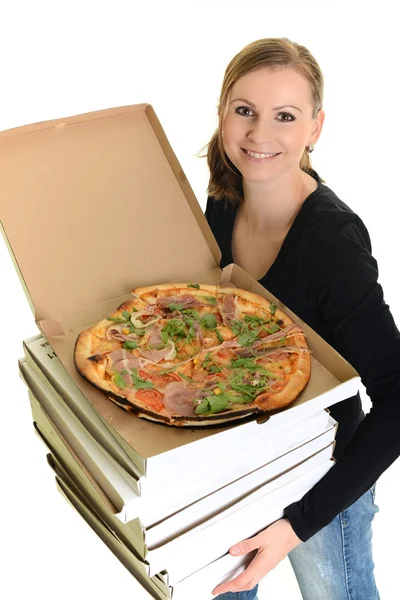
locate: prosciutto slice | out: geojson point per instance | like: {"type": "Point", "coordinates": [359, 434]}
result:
{"type": "Point", "coordinates": [181, 400]}
{"type": "Point", "coordinates": [154, 338]}
{"type": "Point", "coordinates": [167, 353]}
{"type": "Point", "coordinates": [122, 360]}
{"type": "Point", "coordinates": [186, 301]}
{"type": "Point", "coordinates": [228, 308]}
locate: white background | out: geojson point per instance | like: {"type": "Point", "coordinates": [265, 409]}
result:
{"type": "Point", "coordinates": [67, 58]}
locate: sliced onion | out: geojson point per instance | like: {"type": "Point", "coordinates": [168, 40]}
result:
{"type": "Point", "coordinates": [172, 353]}
{"type": "Point", "coordinates": [138, 324]}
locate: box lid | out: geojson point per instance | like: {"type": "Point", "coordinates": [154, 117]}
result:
{"type": "Point", "coordinates": [94, 205]}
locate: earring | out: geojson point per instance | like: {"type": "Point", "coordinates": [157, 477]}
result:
{"type": "Point", "coordinates": [310, 148]}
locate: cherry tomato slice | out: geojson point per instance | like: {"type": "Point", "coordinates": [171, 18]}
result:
{"type": "Point", "coordinates": [169, 377]}
{"type": "Point", "coordinates": [152, 398]}
{"type": "Point", "coordinates": [159, 378]}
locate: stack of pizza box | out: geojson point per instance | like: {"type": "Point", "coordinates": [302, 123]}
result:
{"type": "Point", "coordinates": [218, 485]}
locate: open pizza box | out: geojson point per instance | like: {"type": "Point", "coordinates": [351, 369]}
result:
{"type": "Point", "coordinates": [106, 208]}
{"type": "Point", "coordinates": [275, 453]}
{"type": "Point", "coordinates": [73, 470]}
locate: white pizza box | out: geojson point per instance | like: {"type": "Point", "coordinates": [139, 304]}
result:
{"type": "Point", "coordinates": [138, 529]}
{"type": "Point", "coordinates": [108, 474]}
{"type": "Point", "coordinates": [42, 358]}
{"type": "Point", "coordinates": [108, 208]}
{"type": "Point", "coordinates": [215, 503]}
{"type": "Point", "coordinates": [143, 588]}
{"type": "Point", "coordinates": [201, 481]}
{"type": "Point", "coordinates": [132, 534]}
{"type": "Point", "coordinates": [204, 543]}
{"type": "Point", "coordinates": [46, 364]}
{"type": "Point", "coordinates": [217, 571]}
{"type": "Point", "coordinates": [197, 586]}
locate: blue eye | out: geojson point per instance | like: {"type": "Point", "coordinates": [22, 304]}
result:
{"type": "Point", "coordinates": [285, 114]}
{"type": "Point", "coordinates": [244, 111]}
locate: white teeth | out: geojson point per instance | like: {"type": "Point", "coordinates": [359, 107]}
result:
{"type": "Point", "coordinates": [257, 155]}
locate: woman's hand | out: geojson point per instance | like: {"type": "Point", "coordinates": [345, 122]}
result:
{"type": "Point", "coordinates": [273, 544]}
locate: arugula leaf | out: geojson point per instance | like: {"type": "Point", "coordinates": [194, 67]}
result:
{"type": "Point", "coordinates": [190, 312]}
{"type": "Point", "coordinates": [135, 330]}
{"type": "Point", "coordinates": [207, 360]}
{"type": "Point", "coordinates": [194, 285]}
{"type": "Point", "coordinates": [243, 362]}
{"type": "Point", "coordinates": [254, 320]}
{"type": "Point", "coordinates": [140, 383]}
{"type": "Point", "coordinates": [116, 320]}
{"type": "Point", "coordinates": [210, 299]}
{"type": "Point", "coordinates": [271, 375]}
{"type": "Point", "coordinates": [208, 321]}
{"type": "Point", "coordinates": [218, 403]}
{"type": "Point", "coordinates": [246, 339]}
{"type": "Point", "coordinates": [212, 405]}
{"type": "Point", "coordinates": [214, 369]}
{"type": "Point", "coordinates": [202, 408]}
{"type": "Point", "coordinates": [272, 308]}
{"type": "Point", "coordinates": [130, 345]}
{"type": "Point", "coordinates": [118, 380]}
{"type": "Point", "coordinates": [185, 377]}
{"type": "Point", "coordinates": [219, 336]}
{"type": "Point", "coordinates": [273, 329]}
{"type": "Point", "coordinates": [173, 307]}
{"type": "Point", "coordinates": [126, 315]}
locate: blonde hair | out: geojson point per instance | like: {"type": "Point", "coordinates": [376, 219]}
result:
{"type": "Point", "coordinates": [225, 180]}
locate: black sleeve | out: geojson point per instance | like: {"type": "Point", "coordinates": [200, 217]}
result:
{"type": "Point", "coordinates": [209, 210]}
{"type": "Point", "coordinates": [347, 291]}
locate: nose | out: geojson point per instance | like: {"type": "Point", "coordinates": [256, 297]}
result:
{"type": "Point", "coordinates": [258, 132]}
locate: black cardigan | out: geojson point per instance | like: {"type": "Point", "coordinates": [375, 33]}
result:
{"type": "Point", "coordinates": [325, 274]}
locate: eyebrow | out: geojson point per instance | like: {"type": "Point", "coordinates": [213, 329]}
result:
{"type": "Point", "coordinates": [275, 108]}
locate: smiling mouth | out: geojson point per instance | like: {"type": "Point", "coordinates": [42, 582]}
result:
{"type": "Point", "coordinates": [260, 154]}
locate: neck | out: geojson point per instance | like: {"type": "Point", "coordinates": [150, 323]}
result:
{"type": "Point", "coordinates": [273, 206]}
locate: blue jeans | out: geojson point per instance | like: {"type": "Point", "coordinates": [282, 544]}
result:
{"type": "Point", "coordinates": [336, 563]}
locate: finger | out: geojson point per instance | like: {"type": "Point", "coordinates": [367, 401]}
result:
{"type": "Point", "coordinates": [245, 546]}
{"type": "Point", "coordinates": [240, 583]}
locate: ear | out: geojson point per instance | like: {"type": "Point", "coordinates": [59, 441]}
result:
{"type": "Point", "coordinates": [318, 124]}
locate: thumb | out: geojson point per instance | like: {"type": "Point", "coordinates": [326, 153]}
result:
{"type": "Point", "coordinates": [244, 547]}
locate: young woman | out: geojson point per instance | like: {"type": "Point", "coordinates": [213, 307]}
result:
{"type": "Point", "coordinates": [272, 215]}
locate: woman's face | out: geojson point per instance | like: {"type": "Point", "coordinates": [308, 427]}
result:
{"type": "Point", "coordinates": [269, 112]}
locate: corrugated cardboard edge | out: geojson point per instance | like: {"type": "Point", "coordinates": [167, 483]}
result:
{"type": "Point", "coordinates": [61, 122]}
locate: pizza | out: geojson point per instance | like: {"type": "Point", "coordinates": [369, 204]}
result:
{"type": "Point", "coordinates": [189, 354]}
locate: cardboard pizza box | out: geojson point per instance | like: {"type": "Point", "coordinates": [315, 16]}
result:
{"type": "Point", "coordinates": [198, 546]}
{"type": "Point", "coordinates": [183, 553]}
{"type": "Point", "coordinates": [40, 356]}
{"type": "Point", "coordinates": [108, 208]}
{"type": "Point", "coordinates": [203, 581]}
{"type": "Point", "coordinates": [280, 453]}
{"type": "Point", "coordinates": [143, 588]}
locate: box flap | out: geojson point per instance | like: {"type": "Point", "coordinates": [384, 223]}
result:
{"type": "Point", "coordinates": [95, 205]}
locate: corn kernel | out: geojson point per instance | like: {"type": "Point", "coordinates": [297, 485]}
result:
{"type": "Point", "coordinates": [196, 361]}
{"type": "Point", "coordinates": [125, 330]}
{"type": "Point", "coordinates": [217, 391]}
